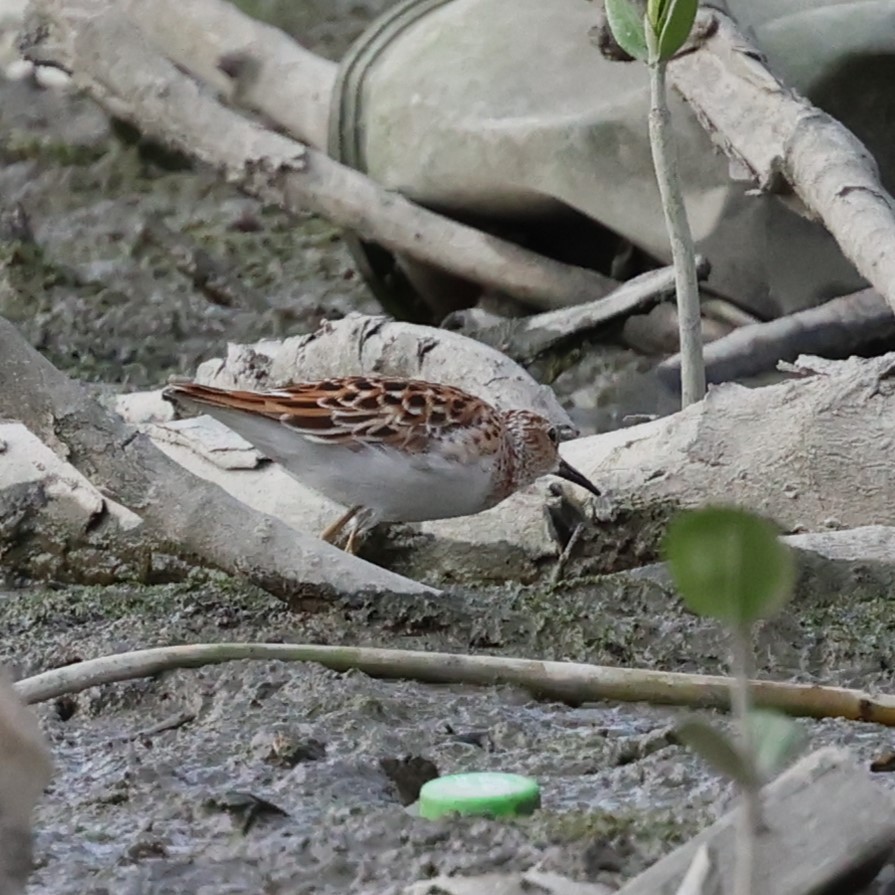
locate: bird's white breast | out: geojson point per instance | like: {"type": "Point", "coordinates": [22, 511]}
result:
{"type": "Point", "coordinates": [398, 487]}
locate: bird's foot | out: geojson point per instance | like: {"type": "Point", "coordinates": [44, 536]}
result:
{"type": "Point", "coordinates": [334, 532]}
{"type": "Point", "coordinates": [347, 532]}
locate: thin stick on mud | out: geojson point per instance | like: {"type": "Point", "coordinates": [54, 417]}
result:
{"type": "Point", "coordinates": [780, 138]}
{"type": "Point", "coordinates": [570, 682]}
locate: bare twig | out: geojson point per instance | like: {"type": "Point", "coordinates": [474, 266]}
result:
{"type": "Point", "coordinates": [701, 878]}
{"type": "Point", "coordinates": [525, 338]}
{"type": "Point", "coordinates": [780, 137]}
{"type": "Point", "coordinates": [191, 515]}
{"type": "Point", "coordinates": [570, 682]}
{"type": "Point", "coordinates": [110, 58]}
{"type": "Point", "coordinates": [171, 723]}
{"type": "Point", "coordinates": [835, 329]}
{"type": "Point", "coordinates": [563, 558]}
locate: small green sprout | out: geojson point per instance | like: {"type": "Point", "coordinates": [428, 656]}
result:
{"type": "Point", "coordinates": [653, 35]}
{"type": "Point", "coordinates": [671, 22]}
{"type": "Point", "coordinates": [731, 565]}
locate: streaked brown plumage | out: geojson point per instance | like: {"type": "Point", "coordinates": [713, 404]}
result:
{"type": "Point", "coordinates": [390, 449]}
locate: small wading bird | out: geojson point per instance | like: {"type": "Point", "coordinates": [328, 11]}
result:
{"type": "Point", "coordinates": [391, 450]}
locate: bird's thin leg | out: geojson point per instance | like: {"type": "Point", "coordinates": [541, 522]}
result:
{"type": "Point", "coordinates": [351, 545]}
{"type": "Point", "coordinates": [358, 528]}
{"type": "Point", "coordinates": [331, 533]}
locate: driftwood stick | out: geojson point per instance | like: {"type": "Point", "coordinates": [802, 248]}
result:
{"type": "Point", "coordinates": [570, 682]}
{"type": "Point", "coordinates": [109, 57]}
{"type": "Point", "coordinates": [525, 338]}
{"type": "Point", "coordinates": [780, 138]}
{"type": "Point", "coordinates": [835, 329]}
{"type": "Point", "coordinates": [258, 67]}
{"type": "Point", "coordinates": [181, 510]}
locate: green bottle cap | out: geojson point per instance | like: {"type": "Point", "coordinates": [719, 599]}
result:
{"type": "Point", "coordinates": [483, 794]}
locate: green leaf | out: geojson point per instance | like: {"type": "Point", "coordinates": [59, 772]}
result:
{"type": "Point", "coordinates": [729, 564]}
{"type": "Point", "coordinates": [654, 13]}
{"type": "Point", "coordinates": [717, 750]}
{"type": "Point", "coordinates": [626, 23]}
{"type": "Point", "coordinates": [775, 740]}
{"type": "Point", "coordinates": [674, 25]}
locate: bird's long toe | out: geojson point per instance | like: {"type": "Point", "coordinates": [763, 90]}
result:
{"type": "Point", "coordinates": [334, 533]}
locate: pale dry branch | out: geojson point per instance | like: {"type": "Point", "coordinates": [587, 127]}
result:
{"type": "Point", "coordinates": [570, 682]}
{"type": "Point", "coordinates": [256, 66]}
{"type": "Point", "coordinates": [780, 138]}
{"type": "Point", "coordinates": [805, 848]}
{"type": "Point", "coordinates": [110, 58]}
{"type": "Point", "coordinates": [790, 468]}
{"type": "Point", "coordinates": [836, 329]}
{"type": "Point", "coordinates": [359, 344]}
{"type": "Point", "coordinates": [525, 338]}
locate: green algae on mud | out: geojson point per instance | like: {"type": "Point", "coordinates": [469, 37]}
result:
{"type": "Point", "coordinates": [62, 608]}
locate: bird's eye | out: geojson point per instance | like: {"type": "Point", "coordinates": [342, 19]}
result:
{"type": "Point", "coordinates": [553, 435]}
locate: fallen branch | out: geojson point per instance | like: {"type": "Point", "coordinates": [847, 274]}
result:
{"type": "Point", "coordinates": [571, 682]}
{"type": "Point", "coordinates": [838, 328]}
{"type": "Point", "coordinates": [179, 509]}
{"type": "Point", "coordinates": [110, 58]}
{"type": "Point", "coordinates": [790, 468]}
{"type": "Point", "coordinates": [778, 136]}
{"type": "Point", "coordinates": [257, 66]}
{"type": "Point", "coordinates": [804, 847]}
{"type": "Point", "coordinates": [525, 338]}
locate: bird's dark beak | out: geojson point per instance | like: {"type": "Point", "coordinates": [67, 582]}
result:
{"type": "Point", "coordinates": [569, 473]}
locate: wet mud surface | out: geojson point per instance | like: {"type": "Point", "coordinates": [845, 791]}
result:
{"type": "Point", "coordinates": [270, 776]}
